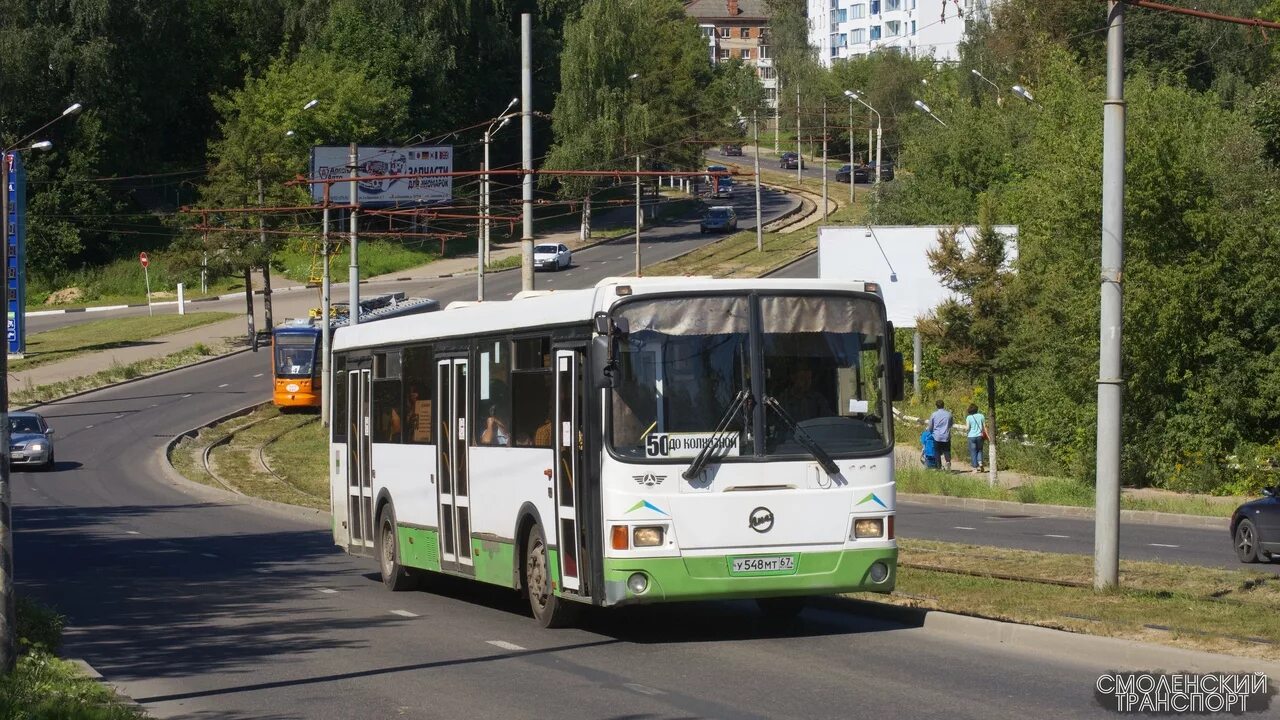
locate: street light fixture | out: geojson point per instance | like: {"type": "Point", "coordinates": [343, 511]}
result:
{"type": "Point", "coordinates": [8, 610]}
{"type": "Point", "coordinates": [925, 109]}
{"type": "Point", "coordinates": [879, 136]}
{"type": "Point", "coordinates": [999, 99]}
{"type": "Point", "coordinates": [482, 241]}
{"type": "Point", "coordinates": [1024, 94]}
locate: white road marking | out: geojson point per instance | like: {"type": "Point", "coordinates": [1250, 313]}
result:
{"type": "Point", "coordinates": [132, 532]}
{"type": "Point", "coordinates": [1060, 537]}
{"type": "Point", "coordinates": [258, 375]}
{"type": "Point", "coordinates": [224, 385]}
{"type": "Point", "coordinates": [504, 644]}
{"type": "Point", "coordinates": [118, 416]}
{"type": "Point", "coordinates": [187, 395]}
{"type": "Point", "coordinates": [327, 591]}
{"type": "Point", "coordinates": [961, 527]}
{"type": "Point", "coordinates": [1163, 545]}
{"type": "Point", "coordinates": [88, 427]}
{"type": "Point", "coordinates": [642, 689]}
{"type": "Point", "coordinates": [403, 613]}
{"type": "Point", "coordinates": [154, 405]}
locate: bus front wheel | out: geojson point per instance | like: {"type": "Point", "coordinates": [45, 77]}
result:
{"type": "Point", "coordinates": [550, 611]}
{"type": "Point", "coordinates": [395, 576]}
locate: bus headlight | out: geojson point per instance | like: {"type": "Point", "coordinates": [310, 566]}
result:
{"type": "Point", "coordinates": [647, 536]}
{"type": "Point", "coordinates": [867, 528]}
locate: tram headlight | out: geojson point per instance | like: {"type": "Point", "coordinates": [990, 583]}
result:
{"type": "Point", "coordinates": [867, 528]}
{"type": "Point", "coordinates": [649, 536]}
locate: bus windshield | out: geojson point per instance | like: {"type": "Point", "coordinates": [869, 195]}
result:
{"type": "Point", "coordinates": [813, 365]}
{"type": "Point", "coordinates": [295, 355]}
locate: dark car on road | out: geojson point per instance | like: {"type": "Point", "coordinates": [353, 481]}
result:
{"type": "Point", "coordinates": [844, 174]}
{"type": "Point", "coordinates": [1255, 528]}
{"type": "Point", "coordinates": [721, 218]}
{"type": "Point", "coordinates": [734, 150]}
{"type": "Point", "coordinates": [789, 160]}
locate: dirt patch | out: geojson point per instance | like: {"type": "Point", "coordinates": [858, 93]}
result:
{"type": "Point", "coordinates": [65, 296]}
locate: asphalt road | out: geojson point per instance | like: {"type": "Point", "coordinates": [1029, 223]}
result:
{"type": "Point", "coordinates": [616, 257]}
{"type": "Point", "coordinates": [206, 610]}
{"type": "Point", "coordinates": [812, 168]}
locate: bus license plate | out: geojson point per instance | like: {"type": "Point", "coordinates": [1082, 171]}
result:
{"type": "Point", "coordinates": [764, 564]}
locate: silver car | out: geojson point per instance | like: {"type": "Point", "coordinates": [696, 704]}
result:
{"type": "Point", "coordinates": [30, 440]}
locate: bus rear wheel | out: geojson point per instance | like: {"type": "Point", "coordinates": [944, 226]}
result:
{"type": "Point", "coordinates": [550, 611]}
{"type": "Point", "coordinates": [395, 577]}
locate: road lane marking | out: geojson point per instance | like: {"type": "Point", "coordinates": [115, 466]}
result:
{"type": "Point", "coordinates": [258, 375]}
{"type": "Point", "coordinates": [961, 527]}
{"type": "Point", "coordinates": [224, 385]}
{"type": "Point", "coordinates": [132, 532]}
{"type": "Point", "coordinates": [1163, 545]}
{"type": "Point", "coordinates": [327, 591]}
{"type": "Point", "coordinates": [88, 427]}
{"type": "Point", "coordinates": [118, 416]}
{"type": "Point", "coordinates": [1060, 537]}
{"type": "Point", "coordinates": [504, 644]}
{"type": "Point", "coordinates": [187, 395]}
{"type": "Point", "coordinates": [642, 689]}
{"type": "Point", "coordinates": [403, 613]}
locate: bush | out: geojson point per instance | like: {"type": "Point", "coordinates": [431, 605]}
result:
{"type": "Point", "coordinates": [39, 626]}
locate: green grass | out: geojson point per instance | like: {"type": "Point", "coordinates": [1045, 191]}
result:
{"type": "Point", "coordinates": [44, 686]}
{"type": "Point", "coordinates": [1202, 608]}
{"type": "Point", "coordinates": [37, 394]}
{"type": "Point", "coordinates": [301, 457]}
{"type": "Point", "coordinates": [123, 282]}
{"type": "Point", "coordinates": [107, 334]}
{"type": "Point", "coordinates": [377, 257]}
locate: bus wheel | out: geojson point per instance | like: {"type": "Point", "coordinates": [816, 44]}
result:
{"type": "Point", "coordinates": [549, 610]}
{"type": "Point", "coordinates": [394, 575]}
{"type": "Point", "coordinates": [782, 608]}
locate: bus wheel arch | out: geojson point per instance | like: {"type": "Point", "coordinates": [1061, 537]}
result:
{"type": "Point", "coordinates": [395, 575]}
{"type": "Point", "coordinates": [528, 517]}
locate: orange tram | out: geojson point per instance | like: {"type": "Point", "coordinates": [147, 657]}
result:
{"type": "Point", "coordinates": [295, 354]}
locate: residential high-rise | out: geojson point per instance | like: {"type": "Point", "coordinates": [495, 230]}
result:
{"type": "Point", "coordinates": [844, 29]}
{"type": "Point", "coordinates": [738, 29]}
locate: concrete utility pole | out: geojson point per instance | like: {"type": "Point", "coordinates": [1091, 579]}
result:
{"type": "Point", "coordinates": [799, 156]}
{"type": "Point", "coordinates": [8, 604]}
{"type": "Point", "coordinates": [482, 233]}
{"type": "Point", "coordinates": [825, 204]}
{"type": "Point", "coordinates": [637, 216]}
{"type": "Point", "coordinates": [755, 124]}
{"type": "Point", "coordinates": [526, 141]}
{"type": "Point", "coordinates": [1106, 545]}
{"type": "Point", "coordinates": [851, 159]}
{"type": "Point", "coordinates": [266, 269]}
{"type": "Point", "coordinates": [353, 269]}
{"type": "Point", "coordinates": [326, 334]}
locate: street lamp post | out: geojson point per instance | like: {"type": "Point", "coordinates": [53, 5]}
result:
{"type": "Point", "coordinates": [1025, 94]}
{"type": "Point", "coordinates": [482, 239]}
{"type": "Point", "coordinates": [999, 99]}
{"type": "Point", "coordinates": [879, 134]}
{"type": "Point", "coordinates": [925, 109]}
{"type": "Point", "coordinates": [850, 148]}
{"type": "Point", "coordinates": [8, 610]}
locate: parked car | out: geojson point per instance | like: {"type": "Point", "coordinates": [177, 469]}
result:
{"type": "Point", "coordinates": [551, 257]}
{"type": "Point", "coordinates": [1255, 528]}
{"type": "Point", "coordinates": [886, 172]}
{"type": "Point", "coordinates": [844, 174]}
{"type": "Point", "coordinates": [721, 218]}
{"type": "Point", "coordinates": [30, 440]}
{"type": "Point", "coordinates": [789, 160]}
{"type": "Point", "coordinates": [862, 174]}
{"type": "Point", "coordinates": [735, 150]}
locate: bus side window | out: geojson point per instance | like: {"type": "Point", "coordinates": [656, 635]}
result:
{"type": "Point", "coordinates": [417, 369]}
{"type": "Point", "coordinates": [339, 404]}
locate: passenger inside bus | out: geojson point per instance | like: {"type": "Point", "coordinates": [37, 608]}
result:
{"type": "Point", "coordinates": [495, 431]}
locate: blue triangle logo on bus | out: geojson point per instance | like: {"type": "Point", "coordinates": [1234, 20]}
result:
{"type": "Point", "coordinates": [648, 505]}
{"type": "Point", "coordinates": [871, 497]}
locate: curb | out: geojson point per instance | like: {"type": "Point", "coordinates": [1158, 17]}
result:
{"type": "Point", "coordinates": [162, 303]}
{"type": "Point", "coordinates": [780, 268]}
{"type": "Point", "coordinates": [1140, 517]}
{"type": "Point", "coordinates": [88, 670]}
{"type": "Point", "coordinates": [1090, 649]}
{"type": "Point", "coordinates": [147, 376]}
{"type": "Point", "coordinates": [317, 518]}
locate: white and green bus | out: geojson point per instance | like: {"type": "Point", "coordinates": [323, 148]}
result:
{"type": "Point", "coordinates": [645, 440]}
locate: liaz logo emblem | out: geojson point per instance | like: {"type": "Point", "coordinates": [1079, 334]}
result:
{"type": "Point", "coordinates": [761, 519]}
{"type": "Point", "coordinates": [872, 498]}
{"type": "Point", "coordinates": [649, 479]}
{"type": "Point", "coordinates": [646, 505]}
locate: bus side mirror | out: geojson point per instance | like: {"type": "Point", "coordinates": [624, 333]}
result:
{"type": "Point", "coordinates": [897, 374]}
{"type": "Point", "coordinates": [603, 366]}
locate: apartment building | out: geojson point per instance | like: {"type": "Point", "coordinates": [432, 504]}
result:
{"type": "Point", "coordinates": [844, 29]}
{"type": "Point", "coordinates": [738, 29]}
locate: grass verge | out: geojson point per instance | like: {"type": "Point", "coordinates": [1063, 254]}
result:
{"type": "Point", "coordinates": [1228, 611]}
{"type": "Point", "coordinates": [36, 394]}
{"type": "Point", "coordinates": [296, 455]}
{"type": "Point", "coordinates": [122, 282]}
{"type": "Point", "coordinates": [44, 686]}
{"type": "Point", "coordinates": [107, 334]}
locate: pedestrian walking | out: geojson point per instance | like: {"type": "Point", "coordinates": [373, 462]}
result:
{"type": "Point", "coordinates": [940, 428]}
{"type": "Point", "coordinates": [977, 431]}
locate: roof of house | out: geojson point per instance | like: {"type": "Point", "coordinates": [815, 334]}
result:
{"type": "Point", "coordinates": [719, 10]}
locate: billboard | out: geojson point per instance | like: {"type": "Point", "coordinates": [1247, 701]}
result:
{"type": "Point", "coordinates": [895, 256]}
{"type": "Point", "coordinates": [332, 162]}
{"type": "Point", "coordinates": [15, 237]}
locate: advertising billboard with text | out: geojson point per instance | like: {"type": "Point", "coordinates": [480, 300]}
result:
{"type": "Point", "coordinates": [333, 162]}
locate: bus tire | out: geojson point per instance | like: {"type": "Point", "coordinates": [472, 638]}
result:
{"type": "Point", "coordinates": [782, 608]}
{"type": "Point", "coordinates": [395, 577]}
{"type": "Point", "coordinates": [550, 611]}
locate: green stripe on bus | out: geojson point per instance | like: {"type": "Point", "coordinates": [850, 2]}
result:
{"type": "Point", "coordinates": [419, 548]}
{"type": "Point", "coordinates": [495, 561]}
{"type": "Point", "coordinates": [709, 577]}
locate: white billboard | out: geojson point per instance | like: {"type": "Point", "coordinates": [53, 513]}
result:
{"type": "Point", "coordinates": [895, 256]}
{"type": "Point", "coordinates": [332, 162]}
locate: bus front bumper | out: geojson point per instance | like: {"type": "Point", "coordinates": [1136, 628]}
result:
{"type": "Point", "coordinates": [712, 577]}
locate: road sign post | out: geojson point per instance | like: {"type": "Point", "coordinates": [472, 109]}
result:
{"type": "Point", "coordinates": [146, 274]}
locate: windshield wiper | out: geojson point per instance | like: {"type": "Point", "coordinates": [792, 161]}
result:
{"type": "Point", "coordinates": [713, 442]}
{"type": "Point", "coordinates": [803, 437]}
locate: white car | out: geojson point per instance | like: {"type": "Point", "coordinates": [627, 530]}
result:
{"type": "Point", "coordinates": [551, 257]}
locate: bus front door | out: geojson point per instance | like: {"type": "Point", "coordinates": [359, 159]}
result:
{"type": "Point", "coordinates": [569, 463]}
{"type": "Point", "coordinates": [359, 446]}
{"type": "Point", "coordinates": [453, 491]}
